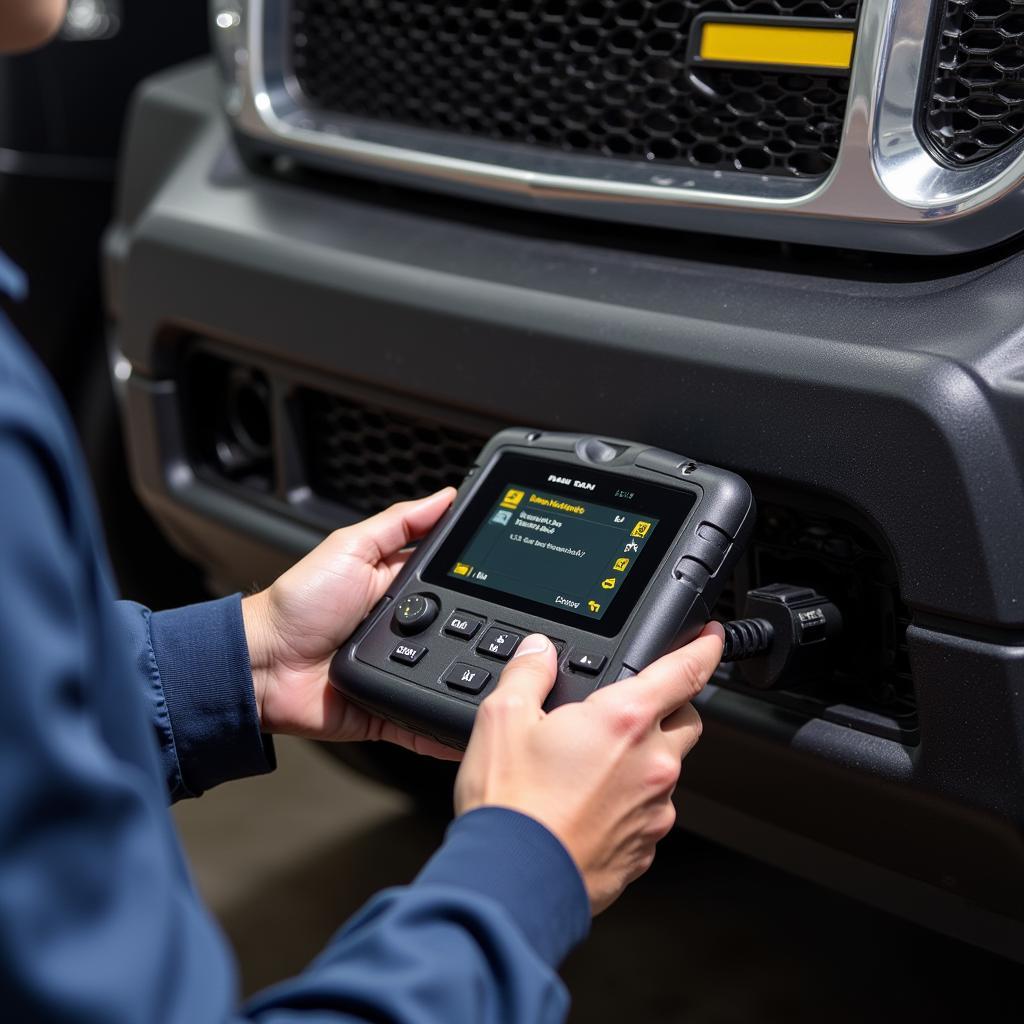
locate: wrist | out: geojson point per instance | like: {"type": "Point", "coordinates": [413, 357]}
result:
{"type": "Point", "coordinates": [259, 635]}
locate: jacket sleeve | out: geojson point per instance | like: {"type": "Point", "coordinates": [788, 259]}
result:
{"type": "Point", "coordinates": [192, 664]}
{"type": "Point", "coordinates": [473, 940]}
{"type": "Point", "coordinates": [97, 919]}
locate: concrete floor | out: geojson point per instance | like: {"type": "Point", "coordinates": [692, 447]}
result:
{"type": "Point", "coordinates": [707, 937]}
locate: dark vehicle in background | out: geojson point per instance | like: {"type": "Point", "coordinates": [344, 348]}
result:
{"type": "Point", "coordinates": [62, 111]}
{"type": "Point", "coordinates": [370, 234]}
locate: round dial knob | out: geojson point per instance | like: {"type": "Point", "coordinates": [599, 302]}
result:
{"type": "Point", "coordinates": [414, 613]}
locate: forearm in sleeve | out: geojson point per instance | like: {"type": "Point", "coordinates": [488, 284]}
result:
{"type": "Point", "coordinates": [192, 663]}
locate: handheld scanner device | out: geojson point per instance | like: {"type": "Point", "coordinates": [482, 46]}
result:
{"type": "Point", "coordinates": [616, 551]}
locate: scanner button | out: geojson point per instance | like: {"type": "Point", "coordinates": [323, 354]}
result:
{"type": "Point", "coordinates": [408, 654]}
{"type": "Point", "coordinates": [597, 450]}
{"type": "Point", "coordinates": [463, 626]}
{"type": "Point", "coordinates": [591, 664]}
{"type": "Point", "coordinates": [414, 613]}
{"type": "Point", "coordinates": [692, 570]}
{"type": "Point", "coordinates": [467, 677]}
{"type": "Point", "coordinates": [499, 643]}
{"type": "Point", "coordinates": [714, 536]}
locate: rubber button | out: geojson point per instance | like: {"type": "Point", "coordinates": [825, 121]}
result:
{"type": "Point", "coordinates": [597, 450]}
{"type": "Point", "coordinates": [469, 678]}
{"type": "Point", "coordinates": [590, 664]}
{"type": "Point", "coordinates": [688, 568]}
{"type": "Point", "coordinates": [408, 654]}
{"type": "Point", "coordinates": [463, 626]}
{"type": "Point", "coordinates": [414, 613]}
{"type": "Point", "coordinates": [714, 536]}
{"type": "Point", "coordinates": [499, 643]}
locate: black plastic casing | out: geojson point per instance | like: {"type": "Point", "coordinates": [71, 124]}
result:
{"type": "Point", "coordinates": [672, 609]}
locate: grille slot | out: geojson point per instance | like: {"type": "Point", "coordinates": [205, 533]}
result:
{"type": "Point", "coordinates": [812, 546]}
{"type": "Point", "coordinates": [975, 106]}
{"type": "Point", "coordinates": [604, 78]}
{"type": "Point", "coordinates": [361, 456]}
{"type": "Point", "coordinates": [366, 457]}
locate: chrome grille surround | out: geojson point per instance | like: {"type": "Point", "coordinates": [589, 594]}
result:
{"type": "Point", "coordinates": [617, 79]}
{"type": "Point", "coordinates": [885, 192]}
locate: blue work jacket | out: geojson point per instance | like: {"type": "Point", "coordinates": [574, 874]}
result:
{"type": "Point", "coordinates": [107, 711]}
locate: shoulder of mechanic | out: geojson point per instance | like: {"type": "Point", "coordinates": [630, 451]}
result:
{"type": "Point", "coordinates": [29, 393]}
{"type": "Point", "coordinates": [33, 419]}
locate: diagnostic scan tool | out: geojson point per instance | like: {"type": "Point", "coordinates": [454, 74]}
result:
{"type": "Point", "coordinates": [616, 551]}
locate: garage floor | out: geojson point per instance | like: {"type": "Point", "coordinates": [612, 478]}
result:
{"type": "Point", "coordinates": [707, 937]}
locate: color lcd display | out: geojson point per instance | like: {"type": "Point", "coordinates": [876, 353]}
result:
{"type": "Point", "coordinates": [567, 543]}
{"type": "Point", "coordinates": [570, 553]}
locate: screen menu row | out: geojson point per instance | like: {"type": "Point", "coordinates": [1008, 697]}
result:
{"type": "Point", "coordinates": [565, 552]}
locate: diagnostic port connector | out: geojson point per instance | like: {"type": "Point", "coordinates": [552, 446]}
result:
{"type": "Point", "coordinates": [787, 633]}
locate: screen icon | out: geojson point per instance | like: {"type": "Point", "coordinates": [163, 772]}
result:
{"type": "Point", "coordinates": [593, 606]}
{"type": "Point", "coordinates": [609, 584]}
{"type": "Point", "coordinates": [501, 517]}
{"type": "Point", "coordinates": [632, 546]}
{"type": "Point", "coordinates": [620, 564]}
{"type": "Point", "coordinates": [641, 529]}
{"type": "Point", "coordinates": [461, 569]}
{"type": "Point", "coordinates": [512, 498]}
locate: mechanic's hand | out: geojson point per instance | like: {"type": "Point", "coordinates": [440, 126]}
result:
{"type": "Point", "coordinates": [598, 773]}
{"type": "Point", "coordinates": [295, 626]}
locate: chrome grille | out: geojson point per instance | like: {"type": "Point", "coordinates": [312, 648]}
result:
{"type": "Point", "coordinates": [606, 78]}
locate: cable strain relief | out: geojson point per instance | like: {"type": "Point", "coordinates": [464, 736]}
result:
{"type": "Point", "coordinates": [747, 638]}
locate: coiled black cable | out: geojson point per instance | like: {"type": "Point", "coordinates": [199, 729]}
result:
{"type": "Point", "coordinates": [747, 638]}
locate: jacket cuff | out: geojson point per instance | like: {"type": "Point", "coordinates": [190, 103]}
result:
{"type": "Point", "coordinates": [517, 862]}
{"type": "Point", "coordinates": [203, 660]}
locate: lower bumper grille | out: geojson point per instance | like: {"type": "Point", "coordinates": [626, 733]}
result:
{"type": "Point", "coordinates": [365, 457]}
{"type": "Point", "coordinates": [356, 455]}
{"type": "Point", "coordinates": [605, 78]}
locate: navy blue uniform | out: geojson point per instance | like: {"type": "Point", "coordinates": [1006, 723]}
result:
{"type": "Point", "coordinates": [108, 710]}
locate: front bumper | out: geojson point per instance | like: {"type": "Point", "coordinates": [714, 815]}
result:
{"type": "Point", "coordinates": [893, 388]}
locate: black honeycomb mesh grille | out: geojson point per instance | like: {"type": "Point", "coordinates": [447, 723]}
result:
{"type": "Point", "coordinates": [365, 456]}
{"type": "Point", "coordinates": [975, 107]}
{"type": "Point", "coordinates": [595, 77]}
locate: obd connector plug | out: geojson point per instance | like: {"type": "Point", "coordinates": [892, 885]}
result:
{"type": "Point", "coordinates": [788, 633]}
